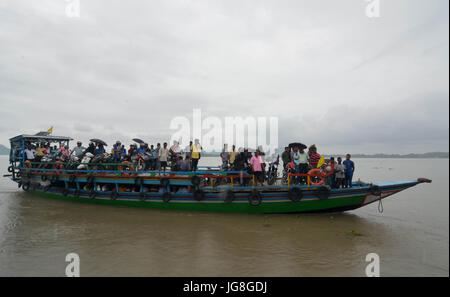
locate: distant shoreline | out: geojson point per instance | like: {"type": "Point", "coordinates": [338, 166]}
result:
{"type": "Point", "coordinates": [433, 155]}
{"type": "Point", "coordinates": [430, 155]}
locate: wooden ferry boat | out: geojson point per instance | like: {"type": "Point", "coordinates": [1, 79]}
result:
{"type": "Point", "coordinates": [193, 191]}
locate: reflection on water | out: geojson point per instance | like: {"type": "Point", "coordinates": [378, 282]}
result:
{"type": "Point", "coordinates": [411, 236]}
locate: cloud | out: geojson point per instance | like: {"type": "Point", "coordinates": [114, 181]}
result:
{"type": "Point", "coordinates": [330, 74]}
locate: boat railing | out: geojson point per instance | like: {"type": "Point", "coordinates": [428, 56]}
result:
{"type": "Point", "coordinates": [204, 171]}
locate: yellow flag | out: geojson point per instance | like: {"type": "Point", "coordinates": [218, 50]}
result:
{"type": "Point", "coordinates": [50, 130]}
{"type": "Point", "coordinates": [321, 161]}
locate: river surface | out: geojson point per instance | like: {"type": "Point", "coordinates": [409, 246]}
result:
{"type": "Point", "coordinates": [411, 236]}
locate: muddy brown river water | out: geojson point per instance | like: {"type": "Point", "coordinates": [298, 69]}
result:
{"type": "Point", "coordinates": [411, 236]}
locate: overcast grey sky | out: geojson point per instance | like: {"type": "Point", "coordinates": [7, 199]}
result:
{"type": "Point", "coordinates": [332, 75]}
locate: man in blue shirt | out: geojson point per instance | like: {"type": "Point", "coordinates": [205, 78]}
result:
{"type": "Point", "coordinates": [118, 151]}
{"type": "Point", "coordinates": [141, 150]}
{"type": "Point", "coordinates": [349, 170]}
{"type": "Point", "coordinates": [99, 150]}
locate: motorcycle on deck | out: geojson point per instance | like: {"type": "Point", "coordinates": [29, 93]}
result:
{"type": "Point", "coordinates": [47, 160]}
{"type": "Point", "coordinates": [85, 161]}
{"type": "Point", "coordinates": [290, 168]}
{"type": "Point", "coordinates": [272, 172]}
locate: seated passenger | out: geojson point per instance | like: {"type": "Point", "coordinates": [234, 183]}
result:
{"type": "Point", "coordinates": [100, 149]}
{"type": "Point", "coordinates": [78, 150]}
{"type": "Point", "coordinates": [64, 153]}
{"type": "Point", "coordinates": [187, 162]}
{"type": "Point", "coordinates": [54, 151]}
{"type": "Point", "coordinates": [181, 164]}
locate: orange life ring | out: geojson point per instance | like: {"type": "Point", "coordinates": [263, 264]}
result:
{"type": "Point", "coordinates": [122, 167]}
{"type": "Point", "coordinates": [317, 173]}
{"type": "Point", "coordinates": [58, 165]}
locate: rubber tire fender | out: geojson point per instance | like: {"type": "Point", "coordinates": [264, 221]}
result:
{"type": "Point", "coordinates": [72, 178]}
{"type": "Point", "coordinates": [199, 195]}
{"type": "Point", "coordinates": [114, 195]}
{"type": "Point", "coordinates": [322, 192]}
{"type": "Point", "coordinates": [139, 181]}
{"type": "Point", "coordinates": [255, 198]}
{"type": "Point", "coordinates": [26, 186]}
{"type": "Point", "coordinates": [65, 192]}
{"type": "Point", "coordinates": [164, 182]}
{"type": "Point", "coordinates": [92, 194]}
{"type": "Point", "coordinates": [229, 196]}
{"type": "Point", "coordinates": [195, 181]}
{"type": "Point", "coordinates": [166, 197]}
{"type": "Point", "coordinates": [295, 194]}
{"type": "Point", "coordinates": [90, 180]}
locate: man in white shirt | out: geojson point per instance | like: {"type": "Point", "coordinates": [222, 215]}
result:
{"type": "Point", "coordinates": [163, 156]}
{"type": "Point", "coordinates": [30, 153]}
{"type": "Point", "coordinates": [78, 150]}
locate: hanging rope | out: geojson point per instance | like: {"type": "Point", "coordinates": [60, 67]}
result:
{"type": "Point", "coordinates": [380, 206]}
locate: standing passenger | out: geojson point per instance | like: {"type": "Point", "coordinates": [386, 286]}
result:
{"type": "Point", "coordinates": [256, 162]}
{"type": "Point", "coordinates": [303, 165]}
{"type": "Point", "coordinates": [349, 170]}
{"type": "Point", "coordinates": [163, 156]}
{"type": "Point", "coordinates": [39, 152]}
{"type": "Point", "coordinates": [286, 156]}
{"type": "Point", "coordinates": [30, 153]}
{"type": "Point", "coordinates": [339, 171]}
{"type": "Point", "coordinates": [233, 155]}
{"type": "Point", "coordinates": [225, 156]}
{"type": "Point", "coordinates": [314, 157]}
{"type": "Point", "coordinates": [195, 154]}
{"type": "Point", "coordinates": [157, 149]}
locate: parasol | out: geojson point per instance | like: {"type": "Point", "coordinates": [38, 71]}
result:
{"type": "Point", "coordinates": [98, 141]}
{"type": "Point", "coordinates": [300, 146]}
{"type": "Point", "coordinates": [140, 141]}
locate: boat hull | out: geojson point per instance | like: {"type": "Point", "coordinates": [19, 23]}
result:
{"type": "Point", "coordinates": [271, 202]}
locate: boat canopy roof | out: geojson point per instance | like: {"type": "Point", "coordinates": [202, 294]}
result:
{"type": "Point", "coordinates": [40, 138]}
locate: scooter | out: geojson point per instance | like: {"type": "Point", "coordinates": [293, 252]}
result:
{"type": "Point", "coordinates": [272, 173]}
{"type": "Point", "coordinates": [73, 162]}
{"type": "Point", "coordinates": [46, 160]}
{"type": "Point", "coordinates": [84, 162]}
{"type": "Point", "coordinates": [143, 161]}
{"type": "Point", "coordinates": [290, 168]}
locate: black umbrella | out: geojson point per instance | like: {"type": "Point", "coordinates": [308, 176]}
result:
{"type": "Point", "coordinates": [300, 146]}
{"type": "Point", "coordinates": [140, 141]}
{"type": "Point", "coordinates": [98, 141]}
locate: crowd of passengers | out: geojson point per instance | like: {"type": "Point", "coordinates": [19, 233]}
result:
{"type": "Point", "coordinates": [296, 160]}
{"type": "Point", "coordinates": [338, 174]}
